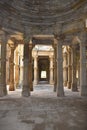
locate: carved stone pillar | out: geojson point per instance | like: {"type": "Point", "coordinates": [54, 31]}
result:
{"type": "Point", "coordinates": [20, 49]}
{"type": "Point", "coordinates": [74, 80]}
{"type": "Point", "coordinates": [79, 74]}
{"type": "Point", "coordinates": [65, 69]}
{"type": "Point", "coordinates": [60, 89]}
{"type": "Point", "coordinates": [55, 65]}
{"type": "Point", "coordinates": [11, 68]}
{"type": "Point", "coordinates": [3, 89]}
{"type": "Point", "coordinates": [7, 64]}
{"type": "Point", "coordinates": [30, 67]}
{"type": "Point", "coordinates": [35, 70]}
{"type": "Point", "coordinates": [83, 71]}
{"type": "Point", "coordinates": [69, 70]}
{"type": "Point", "coordinates": [26, 87]}
{"type": "Point", "coordinates": [51, 70]}
{"type": "Point", "coordinates": [16, 68]}
{"type": "Point", "coordinates": [21, 72]}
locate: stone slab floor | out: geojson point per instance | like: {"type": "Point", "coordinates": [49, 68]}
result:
{"type": "Point", "coordinates": [43, 110]}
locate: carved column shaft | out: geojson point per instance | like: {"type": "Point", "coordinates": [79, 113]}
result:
{"type": "Point", "coordinates": [30, 67]}
{"type": "Point", "coordinates": [83, 75]}
{"type": "Point", "coordinates": [55, 65]}
{"type": "Point", "coordinates": [20, 66]}
{"type": "Point", "coordinates": [69, 70]}
{"type": "Point", "coordinates": [51, 70]}
{"type": "Point", "coordinates": [79, 74]}
{"type": "Point", "coordinates": [35, 71]}
{"type": "Point", "coordinates": [60, 89]}
{"type": "Point", "coordinates": [74, 80]}
{"type": "Point", "coordinates": [26, 87]}
{"type": "Point", "coordinates": [21, 72]}
{"type": "Point", "coordinates": [65, 69]}
{"type": "Point", "coordinates": [3, 89]}
{"type": "Point", "coordinates": [11, 67]}
{"type": "Point", "coordinates": [16, 68]}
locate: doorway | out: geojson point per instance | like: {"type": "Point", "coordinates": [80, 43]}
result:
{"type": "Point", "coordinates": [43, 68]}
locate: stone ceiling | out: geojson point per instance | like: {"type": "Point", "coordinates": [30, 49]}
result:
{"type": "Point", "coordinates": [31, 15]}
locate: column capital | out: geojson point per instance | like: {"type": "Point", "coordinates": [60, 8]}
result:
{"type": "Point", "coordinates": [30, 45]}
{"type": "Point", "coordinates": [55, 42]}
{"type": "Point", "coordinates": [4, 37]}
{"type": "Point", "coordinates": [59, 37]}
{"type": "Point", "coordinates": [51, 57]}
{"type": "Point", "coordinates": [36, 56]}
{"type": "Point", "coordinates": [27, 38]}
{"type": "Point", "coordinates": [69, 50]}
{"type": "Point", "coordinates": [12, 45]}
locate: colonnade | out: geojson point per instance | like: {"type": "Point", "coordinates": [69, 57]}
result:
{"type": "Point", "coordinates": [51, 67]}
{"type": "Point", "coordinates": [66, 75]}
{"type": "Point", "coordinates": [69, 70]}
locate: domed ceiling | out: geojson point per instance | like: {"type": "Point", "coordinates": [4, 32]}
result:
{"type": "Point", "coordinates": [26, 15]}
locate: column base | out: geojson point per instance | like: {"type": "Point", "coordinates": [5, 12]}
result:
{"type": "Point", "coordinates": [16, 85]}
{"type": "Point", "coordinates": [83, 91]}
{"type": "Point", "coordinates": [65, 84]}
{"type": "Point", "coordinates": [35, 82]}
{"type": "Point", "coordinates": [20, 85]}
{"type": "Point", "coordinates": [51, 82]}
{"type": "Point", "coordinates": [31, 87]}
{"type": "Point", "coordinates": [60, 92]}
{"type": "Point", "coordinates": [55, 87]}
{"type": "Point", "coordinates": [69, 85]}
{"type": "Point", "coordinates": [11, 88]}
{"type": "Point", "coordinates": [74, 87]}
{"type": "Point", "coordinates": [25, 91]}
{"type": "Point", "coordinates": [3, 91]}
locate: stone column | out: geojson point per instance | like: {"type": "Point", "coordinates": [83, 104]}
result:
{"type": "Point", "coordinates": [51, 70]}
{"type": "Point", "coordinates": [11, 67]}
{"type": "Point", "coordinates": [55, 65]}
{"type": "Point", "coordinates": [3, 89]}
{"type": "Point", "coordinates": [35, 70]}
{"type": "Point", "coordinates": [78, 74]}
{"type": "Point", "coordinates": [16, 68]}
{"type": "Point", "coordinates": [30, 66]}
{"type": "Point", "coordinates": [26, 87]}
{"type": "Point", "coordinates": [21, 72]}
{"type": "Point", "coordinates": [69, 70]}
{"type": "Point", "coordinates": [60, 89]}
{"type": "Point", "coordinates": [83, 75]}
{"type": "Point", "coordinates": [74, 80]}
{"type": "Point", "coordinates": [20, 49]}
{"type": "Point", "coordinates": [7, 65]}
{"type": "Point", "coordinates": [65, 69]}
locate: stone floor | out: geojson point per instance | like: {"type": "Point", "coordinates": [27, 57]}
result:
{"type": "Point", "coordinates": [43, 110]}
